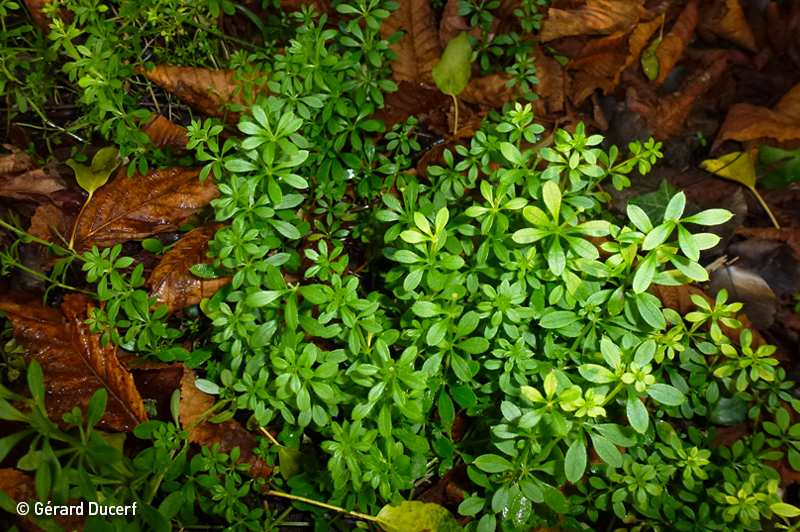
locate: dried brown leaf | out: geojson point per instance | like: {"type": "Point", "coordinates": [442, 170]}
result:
{"type": "Point", "coordinates": [597, 17]}
{"type": "Point", "coordinates": [584, 84]}
{"type": "Point", "coordinates": [22, 487]}
{"type": "Point", "coordinates": [637, 42]}
{"type": "Point", "coordinates": [15, 162]}
{"type": "Point", "coordinates": [676, 41]}
{"type": "Point", "coordinates": [748, 122]}
{"type": "Point", "coordinates": [164, 133]}
{"type": "Point", "coordinates": [418, 50]}
{"type": "Point", "coordinates": [674, 109]}
{"type": "Point", "coordinates": [30, 184]}
{"type": "Point", "coordinates": [74, 362]}
{"type": "Point", "coordinates": [43, 21]}
{"type": "Point", "coordinates": [488, 90]}
{"type": "Point", "coordinates": [726, 19]}
{"type": "Point", "coordinates": [229, 434]}
{"type": "Point", "coordinates": [411, 99]}
{"type": "Point", "coordinates": [142, 205]}
{"type": "Point", "coordinates": [603, 57]}
{"type": "Point", "coordinates": [43, 220]}
{"type": "Point", "coordinates": [778, 33]}
{"type": "Point", "coordinates": [172, 282]}
{"type": "Point", "coordinates": [550, 88]}
{"type": "Point", "coordinates": [203, 89]}
{"type": "Point", "coordinates": [452, 24]}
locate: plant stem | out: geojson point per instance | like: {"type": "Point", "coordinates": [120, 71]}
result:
{"type": "Point", "coordinates": [269, 436]}
{"type": "Point", "coordinates": [764, 204]}
{"type": "Point", "coordinates": [455, 122]}
{"type": "Point", "coordinates": [75, 227]}
{"type": "Point", "coordinates": [297, 498]}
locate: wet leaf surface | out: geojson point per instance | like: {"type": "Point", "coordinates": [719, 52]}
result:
{"type": "Point", "coordinates": [141, 206]}
{"type": "Point", "coordinates": [74, 361]}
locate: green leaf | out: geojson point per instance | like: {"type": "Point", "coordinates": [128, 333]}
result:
{"type": "Point", "coordinates": [451, 74]}
{"type": "Point", "coordinates": [552, 198]}
{"type": "Point", "coordinates": [785, 166]}
{"type": "Point", "coordinates": [785, 510]}
{"type": "Point", "coordinates": [511, 153]}
{"type": "Point", "coordinates": [607, 451]}
{"type": "Point", "coordinates": [637, 413]}
{"type": "Point", "coordinates": [665, 394]}
{"type": "Point", "coordinates": [290, 462]}
{"type": "Point", "coordinates": [652, 206]}
{"type": "Point", "coordinates": [95, 176]}
{"type": "Point", "coordinates": [596, 374]}
{"type": "Point", "coordinates": [675, 207]}
{"type": "Point", "coordinates": [262, 298]}
{"type": "Point", "coordinates": [416, 516]}
{"type": "Point", "coordinates": [558, 319]}
{"type": "Point", "coordinates": [650, 62]}
{"type": "Point", "coordinates": [555, 500]}
{"type": "Point", "coordinates": [492, 463]}
{"type": "Point", "coordinates": [209, 271]}
{"type": "Point", "coordinates": [710, 217]}
{"type": "Point", "coordinates": [575, 460]}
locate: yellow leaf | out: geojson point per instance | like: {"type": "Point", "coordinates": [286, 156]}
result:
{"type": "Point", "coordinates": [737, 166]}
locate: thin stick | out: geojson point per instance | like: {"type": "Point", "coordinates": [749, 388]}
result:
{"type": "Point", "coordinates": [764, 204]}
{"type": "Point", "coordinates": [326, 506]}
{"type": "Point", "coordinates": [269, 436]}
{"type": "Point", "coordinates": [78, 219]}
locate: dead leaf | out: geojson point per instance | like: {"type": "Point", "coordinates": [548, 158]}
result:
{"type": "Point", "coordinates": [43, 21]}
{"type": "Point", "coordinates": [673, 110]}
{"type": "Point", "coordinates": [228, 434]}
{"type": "Point", "coordinates": [22, 488]}
{"type": "Point", "coordinates": [203, 89]}
{"type": "Point", "coordinates": [30, 184]}
{"type": "Point", "coordinates": [141, 206]}
{"type": "Point", "coordinates": [726, 19]}
{"type": "Point", "coordinates": [551, 89]}
{"type": "Point", "coordinates": [488, 90]}
{"type": "Point", "coordinates": [164, 133]}
{"type": "Point", "coordinates": [789, 235]}
{"type": "Point", "coordinates": [43, 220]}
{"type": "Point", "coordinates": [603, 57]}
{"type": "Point", "coordinates": [749, 122]}
{"type": "Point", "coordinates": [449, 490]}
{"type": "Point", "coordinates": [778, 33]}
{"type": "Point", "coordinates": [418, 50]}
{"type": "Point", "coordinates": [637, 42]}
{"type": "Point", "coordinates": [675, 42]}
{"type": "Point", "coordinates": [584, 84]}
{"type": "Point", "coordinates": [452, 24]}
{"type": "Point", "coordinates": [597, 17]}
{"type": "Point", "coordinates": [749, 288]}
{"type": "Point", "coordinates": [74, 362]}
{"type": "Point", "coordinates": [411, 99]}
{"type": "Point", "coordinates": [15, 162]}
{"type": "Point", "coordinates": [157, 382]}
{"type": "Point", "coordinates": [172, 282]}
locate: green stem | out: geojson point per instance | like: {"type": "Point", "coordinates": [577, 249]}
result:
{"type": "Point", "coordinates": [52, 281]}
{"type": "Point", "coordinates": [75, 227]}
{"type": "Point", "coordinates": [297, 498]}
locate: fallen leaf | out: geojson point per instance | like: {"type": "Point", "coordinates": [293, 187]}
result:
{"type": "Point", "coordinates": [638, 41]}
{"type": "Point", "coordinates": [452, 72]}
{"type": "Point", "coordinates": [550, 88]}
{"type": "Point", "coordinates": [676, 41]}
{"type": "Point", "coordinates": [584, 84]}
{"type": "Point", "coordinates": [603, 57]}
{"type": "Point", "coordinates": [203, 89]}
{"type": "Point", "coordinates": [748, 122]}
{"type": "Point", "coordinates": [43, 220]}
{"type": "Point", "coordinates": [141, 206]}
{"type": "Point", "coordinates": [30, 184]}
{"type": "Point", "coordinates": [228, 434]}
{"type": "Point", "coordinates": [164, 133]}
{"type": "Point", "coordinates": [597, 17]}
{"type": "Point", "coordinates": [789, 235]}
{"type": "Point", "coordinates": [22, 488]}
{"type": "Point", "coordinates": [157, 382]}
{"type": "Point", "coordinates": [418, 50]}
{"type": "Point", "coordinates": [411, 99]}
{"type": "Point", "coordinates": [452, 24]}
{"type": "Point", "coordinates": [416, 516]}
{"type": "Point", "coordinates": [784, 166]}
{"type": "Point", "coordinates": [490, 90]}
{"type": "Point", "coordinates": [726, 19]}
{"type": "Point", "coordinates": [74, 362]}
{"type": "Point", "coordinates": [749, 288]}
{"type": "Point", "coordinates": [673, 110]}
{"type": "Point", "coordinates": [172, 282]}
{"type": "Point", "coordinates": [15, 162]}
{"type": "Point", "coordinates": [778, 33]}
{"type": "Point", "coordinates": [449, 490]}
{"type": "Point", "coordinates": [43, 21]}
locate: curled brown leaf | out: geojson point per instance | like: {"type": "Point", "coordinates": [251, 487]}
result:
{"type": "Point", "coordinates": [726, 19]}
{"type": "Point", "coordinates": [597, 17]}
{"type": "Point", "coordinates": [676, 41]}
{"type": "Point", "coordinates": [74, 361]}
{"type": "Point", "coordinates": [164, 133]}
{"type": "Point", "coordinates": [142, 205]}
{"type": "Point", "coordinates": [172, 282]}
{"type": "Point", "coordinates": [748, 122]}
